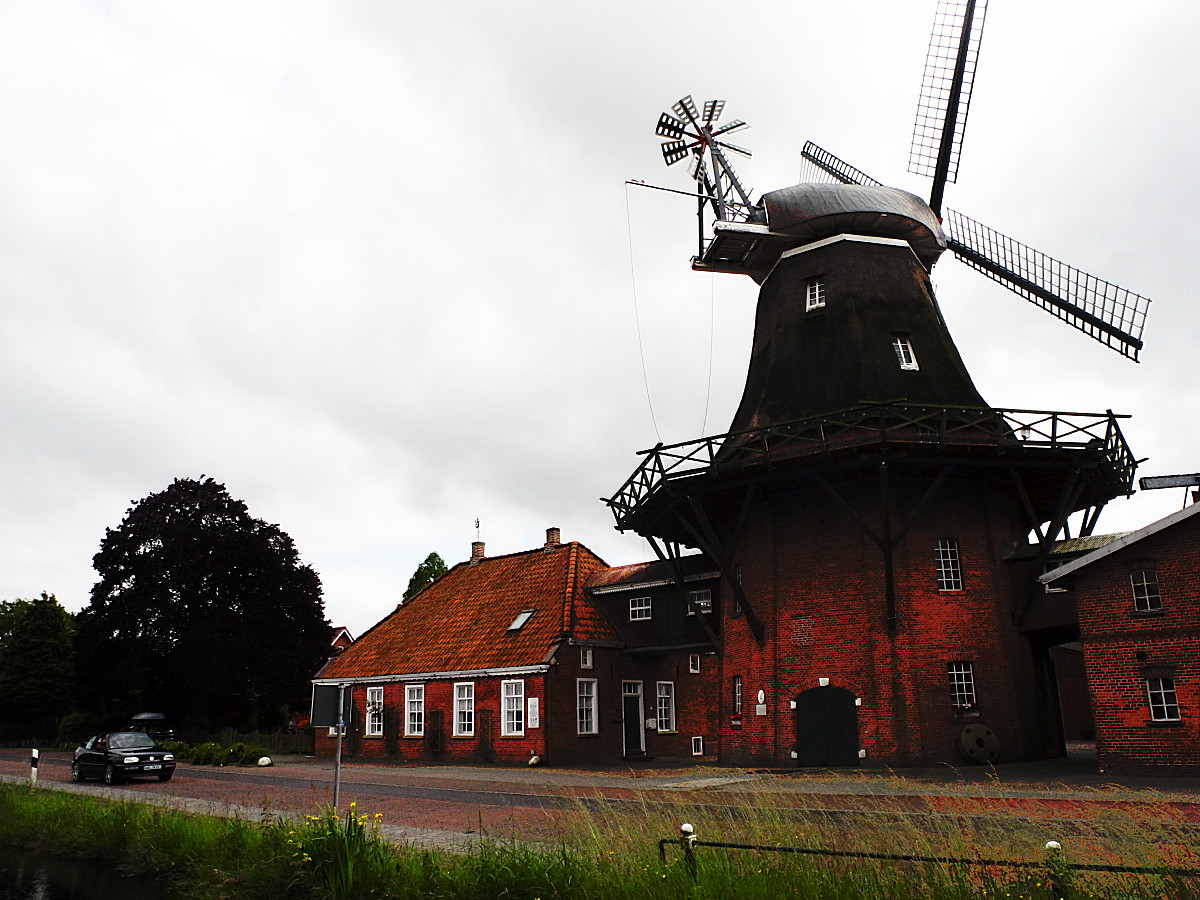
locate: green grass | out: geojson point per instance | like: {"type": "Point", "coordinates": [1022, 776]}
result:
{"type": "Point", "coordinates": [613, 852]}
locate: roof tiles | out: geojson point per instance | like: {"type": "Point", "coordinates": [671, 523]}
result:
{"type": "Point", "coordinates": [461, 621]}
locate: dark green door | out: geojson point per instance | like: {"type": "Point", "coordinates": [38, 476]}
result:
{"type": "Point", "coordinates": [826, 728]}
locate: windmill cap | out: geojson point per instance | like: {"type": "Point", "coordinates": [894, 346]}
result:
{"type": "Point", "coordinates": [814, 211]}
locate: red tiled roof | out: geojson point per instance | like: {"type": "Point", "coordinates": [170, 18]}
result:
{"type": "Point", "coordinates": [461, 621]}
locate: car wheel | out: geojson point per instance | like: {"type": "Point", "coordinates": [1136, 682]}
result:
{"type": "Point", "coordinates": [76, 775]}
{"type": "Point", "coordinates": [110, 774]}
{"type": "Point", "coordinates": [165, 776]}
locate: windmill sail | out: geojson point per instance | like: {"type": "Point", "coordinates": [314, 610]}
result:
{"type": "Point", "coordinates": [946, 93]}
{"type": "Point", "coordinates": [1107, 312]}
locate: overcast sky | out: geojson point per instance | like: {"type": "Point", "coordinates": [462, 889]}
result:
{"type": "Point", "coordinates": [373, 264]}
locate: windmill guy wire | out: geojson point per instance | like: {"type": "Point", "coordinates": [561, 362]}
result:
{"type": "Point", "coordinates": [636, 317]}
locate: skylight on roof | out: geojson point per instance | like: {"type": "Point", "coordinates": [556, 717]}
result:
{"type": "Point", "coordinates": [521, 619]}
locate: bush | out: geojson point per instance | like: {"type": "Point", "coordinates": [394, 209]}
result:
{"type": "Point", "coordinates": [76, 727]}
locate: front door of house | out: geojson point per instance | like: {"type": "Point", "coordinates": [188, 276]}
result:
{"type": "Point", "coordinates": [826, 727]}
{"type": "Point", "coordinates": [633, 714]}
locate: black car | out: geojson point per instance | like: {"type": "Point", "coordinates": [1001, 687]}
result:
{"type": "Point", "coordinates": [122, 754]}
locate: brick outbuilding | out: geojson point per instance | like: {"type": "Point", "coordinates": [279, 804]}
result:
{"type": "Point", "coordinates": [1138, 602]}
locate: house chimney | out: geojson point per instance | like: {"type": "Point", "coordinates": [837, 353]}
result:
{"type": "Point", "coordinates": [476, 552]}
{"type": "Point", "coordinates": [553, 536]}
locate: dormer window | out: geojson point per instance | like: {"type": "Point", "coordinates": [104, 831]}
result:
{"type": "Point", "coordinates": [520, 620]}
{"type": "Point", "coordinates": [814, 294]}
{"type": "Point", "coordinates": [904, 353]}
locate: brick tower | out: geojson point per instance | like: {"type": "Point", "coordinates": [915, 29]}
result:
{"type": "Point", "coordinates": [870, 514]}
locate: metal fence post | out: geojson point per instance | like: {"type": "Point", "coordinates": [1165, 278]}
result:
{"type": "Point", "coordinates": [687, 841]}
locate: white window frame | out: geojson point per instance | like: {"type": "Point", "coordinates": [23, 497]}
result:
{"type": "Point", "coordinates": [697, 746]}
{"type": "Point", "coordinates": [949, 566]}
{"type": "Point", "coordinates": [640, 609]}
{"type": "Point", "coordinates": [904, 353]}
{"type": "Point", "coordinates": [694, 663]}
{"type": "Point", "coordinates": [699, 600]}
{"type": "Point", "coordinates": [585, 658]}
{"type": "Point", "coordinates": [512, 707]}
{"type": "Point", "coordinates": [414, 710]}
{"type": "Point", "coordinates": [814, 294]}
{"type": "Point", "coordinates": [374, 712]}
{"type": "Point", "coordinates": [586, 720]}
{"type": "Point", "coordinates": [961, 674]}
{"type": "Point", "coordinates": [1162, 699]}
{"type": "Point", "coordinates": [464, 709]}
{"type": "Point", "coordinates": [522, 617]}
{"type": "Point", "coordinates": [664, 706]}
{"type": "Point", "coordinates": [737, 695]}
{"type": "Point", "coordinates": [1146, 595]}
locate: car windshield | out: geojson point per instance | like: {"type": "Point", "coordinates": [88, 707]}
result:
{"type": "Point", "coordinates": [130, 740]}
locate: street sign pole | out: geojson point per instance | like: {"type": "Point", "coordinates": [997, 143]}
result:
{"type": "Point", "coordinates": [337, 756]}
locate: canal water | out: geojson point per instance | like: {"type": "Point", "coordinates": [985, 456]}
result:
{"type": "Point", "coordinates": [32, 876]}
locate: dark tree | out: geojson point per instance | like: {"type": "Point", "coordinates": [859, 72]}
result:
{"type": "Point", "coordinates": [36, 652]}
{"type": "Point", "coordinates": [202, 612]}
{"type": "Point", "coordinates": [427, 572]}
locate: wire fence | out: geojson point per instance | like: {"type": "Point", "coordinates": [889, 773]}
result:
{"type": "Point", "coordinates": [1056, 869]}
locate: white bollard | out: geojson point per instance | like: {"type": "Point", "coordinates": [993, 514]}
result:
{"type": "Point", "coordinates": [33, 764]}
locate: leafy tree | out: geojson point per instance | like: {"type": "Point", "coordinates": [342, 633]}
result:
{"type": "Point", "coordinates": [36, 653]}
{"type": "Point", "coordinates": [202, 612]}
{"type": "Point", "coordinates": [427, 572]}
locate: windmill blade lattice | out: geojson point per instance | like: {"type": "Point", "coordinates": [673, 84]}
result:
{"type": "Point", "coordinates": [946, 93]}
{"type": "Point", "coordinates": [1107, 312]}
{"type": "Point", "coordinates": [695, 135]}
{"type": "Point", "coordinates": [825, 168]}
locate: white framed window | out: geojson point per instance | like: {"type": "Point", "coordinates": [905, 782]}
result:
{"type": "Point", "coordinates": [949, 567]}
{"type": "Point", "coordinates": [1164, 702]}
{"type": "Point", "coordinates": [1145, 590]}
{"type": "Point", "coordinates": [962, 684]}
{"type": "Point", "coordinates": [585, 706]}
{"type": "Point", "coordinates": [374, 712]}
{"type": "Point", "coordinates": [904, 353]}
{"type": "Point", "coordinates": [694, 663]}
{"type": "Point", "coordinates": [699, 601]}
{"type": "Point", "coordinates": [414, 710]}
{"type": "Point", "coordinates": [464, 708]}
{"type": "Point", "coordinates": [522, 617]}
{"type": "Point", "coordinates": [639, 608]}
{"type": "Point", "coordinates": [737, 695]}
{"type": "Point", "coordinates": [585, 657]}
{"type": "Point", "coordinates": [814, 294]}
{"type": "Point", "coordinates": [512, 713]}
{"type": "Point", "coordinates": [666, 706]}
{"type": "Point", "coordinates": [697, 746]}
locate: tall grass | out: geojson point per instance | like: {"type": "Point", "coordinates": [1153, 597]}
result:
{"type": "Point", "coordinates": [612, 851]}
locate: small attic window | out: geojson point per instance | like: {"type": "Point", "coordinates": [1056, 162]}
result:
{"type": "Point", "coordinates": [520, 620]}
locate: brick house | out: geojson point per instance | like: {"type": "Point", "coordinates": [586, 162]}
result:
{"type": "Point", "coordinates": [512, 657]}
{"type": "Point", "coordinates": [1138, 602]}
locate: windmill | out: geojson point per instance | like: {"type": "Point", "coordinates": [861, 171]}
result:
{"type": "Point", "coordinates": [862, 460]}
{"type": "Point", "coordinates": [1108, 313]}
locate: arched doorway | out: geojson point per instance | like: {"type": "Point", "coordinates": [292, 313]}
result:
{"type": "Point", "coordinates": [826, 727]}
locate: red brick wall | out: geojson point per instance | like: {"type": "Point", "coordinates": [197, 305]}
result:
{"type": "Point", "coordinates": [817, 581]}
{"type": "Point", "coordinates": [487, 744]}
{"type": "Point", "coordinates": [1122, 648]}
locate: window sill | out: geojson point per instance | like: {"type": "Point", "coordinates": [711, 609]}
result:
{"type": "Point", "coordinates": [372, 737]}
{"type": "Point", "coordinates": [462, 737]}
{"type": "Point", "coordinates": [515, 735]}
{"type": "Point", "coordinates": [1164, 723]}
{"type": "Point", "coordinates": [587, 734]}
{"type": "Point", "coordinates": [413, 737]}
{"type": "Point", "coordinates": [1146, 613]}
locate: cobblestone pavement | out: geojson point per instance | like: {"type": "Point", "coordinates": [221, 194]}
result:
{"type": "Point", "coordinates": [452, 806]}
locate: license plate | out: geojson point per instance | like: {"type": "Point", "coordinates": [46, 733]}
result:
{"type": "Point", "coordinates": [148, 768]}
